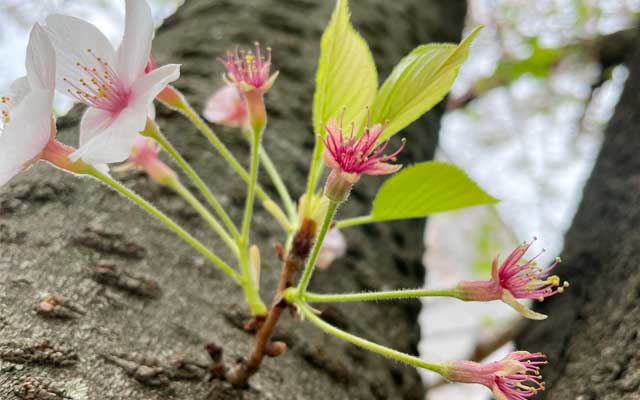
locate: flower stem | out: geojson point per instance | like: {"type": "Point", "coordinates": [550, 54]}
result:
{"type": "Point", "coordinates": [204, 213]}
{"type": "Point", "coordinates": [366, 344]}
{"type": "Point", "coordinates": [251, 292]}
{"type": "Point", "coordinates": [311, 261]}
{"type": "Point", "coordinates": [193, 116]}
{"type": "Point", "coordinates": [154, 132]}
{"type": "Point", "coordinates": [385, 295]}
{"type": "Point", "coordinates": [160, 216]}
{"type": "Point", "coordinates": [345, 223]}
{"type": "Point", "coordinates": [253, 183]}
{"type": "Point", "coordinates": [283, 192]}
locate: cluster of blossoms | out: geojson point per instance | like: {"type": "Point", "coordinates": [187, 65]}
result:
{"type": "Point", "coordinates": [119, 88]}
{"type": "Point", "coordinates": [73, 57]}
{"type": "Point", "coordinates": [514, 279]}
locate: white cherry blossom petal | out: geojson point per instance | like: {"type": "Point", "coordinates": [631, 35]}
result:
{"type": "Point", "coordinates": [150, 85]}
{"type": "Point", "coordinates": [41, 60]}
{"type": "Point", "coordinates": [76, 41]}
{"type": "Point", "coordinates": [133, 53]}
{"type": "Point", "coordinates": [19, 89]}
{"type": "Point", "coordinates": [93, 122]}
{"type": "Point", "coordinates": [27, 133]}
{"type": "Point", "coordinates": [114, 142]}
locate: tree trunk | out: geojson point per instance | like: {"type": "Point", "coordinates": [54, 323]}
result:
{"type": "Point", "coordinates": [592, 335]}
{"type": "Point", "coordinates": [115, 335]}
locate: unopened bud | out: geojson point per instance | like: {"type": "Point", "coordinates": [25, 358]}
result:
{"type": "Point", "coordinates": [275, 349]}
{"type": "Point", "coordinates": [254, 264]}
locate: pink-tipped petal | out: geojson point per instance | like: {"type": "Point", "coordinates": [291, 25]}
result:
{"type": "Point", "coordinates": [226, 107]}
{"type": "Point", "coordinates": [384, 169]}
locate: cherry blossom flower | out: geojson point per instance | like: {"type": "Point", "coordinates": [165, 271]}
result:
{"type": "Point", "coordinates": [226, 106]}
{"type": "Point", "coordinates": [351, 157]}
{"type": "Point", "coordinates": [516, 377]}
{"type": "Point", "coordinates": [249, 71]}
{"type": "Point", "coordinates": [144, 155]}
{"type": "Point", "coordinates": [27, 125]}
{"type": "Point", "coordinates": [113, 84]}
{"type": "Point", "coordinates": [511, 281]}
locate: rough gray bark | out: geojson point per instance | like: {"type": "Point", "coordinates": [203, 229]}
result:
{"type": "Point", "coordinates": [63, 235]}
{"type": "Point", "coordinates": [592, 336]}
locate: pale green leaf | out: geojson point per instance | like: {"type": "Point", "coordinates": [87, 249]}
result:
{"type": "Point", "coordinates": [346, 79]}
{"type": "Point", "coordinates": [427, 188]}
{"type": "Point", "coordinates": [418, 83]}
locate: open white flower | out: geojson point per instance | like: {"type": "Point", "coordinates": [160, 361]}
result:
{"type": "Point", "coordinates": [26, 120]}
{"type": "Point", "coordinates": [112, 83]}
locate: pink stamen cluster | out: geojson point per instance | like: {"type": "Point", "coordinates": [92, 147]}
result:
{"type": "Point", "coordinates": [516, 377]}
{"type": "Point", "coordinates": [249, 70]}
{"type": "Point", "coordinates": [512, 280]}
{"type": "Point", "coordinates": [526, 383]}
{"type": "Point", "coordinates": [100, 87]}
{"type": "Point", "coordinates": [358, 155]}
{"type": "Point", "coordinates": [528, 280]}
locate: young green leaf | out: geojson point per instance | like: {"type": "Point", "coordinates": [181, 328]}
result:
{"type": "Point", "coordinates": [418, 82]}
{"type": "Point", "coordinates": [347, 78]}
{"type": "Point", "coordinates": [427, 188]}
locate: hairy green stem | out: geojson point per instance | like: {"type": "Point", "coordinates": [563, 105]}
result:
{"type": "Point", "coordinates": [251, 292]}
{"type": "Point", "coordinates": [311, 261]}
{"type": "Point", "coordinates": [154, 132]}
{"type": "Point", "coordinates": [366, 344]}
{"type": "Point", "coordinates": [345, 223]}
{"type": "Point", "coordinates": [193, 116]}
{"type": "Point", "coordinates": [251, 193]}
{"type": "Point", "coordinates": [373, 296]}
{"type": "Point", "coordinates": [168, 222]}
